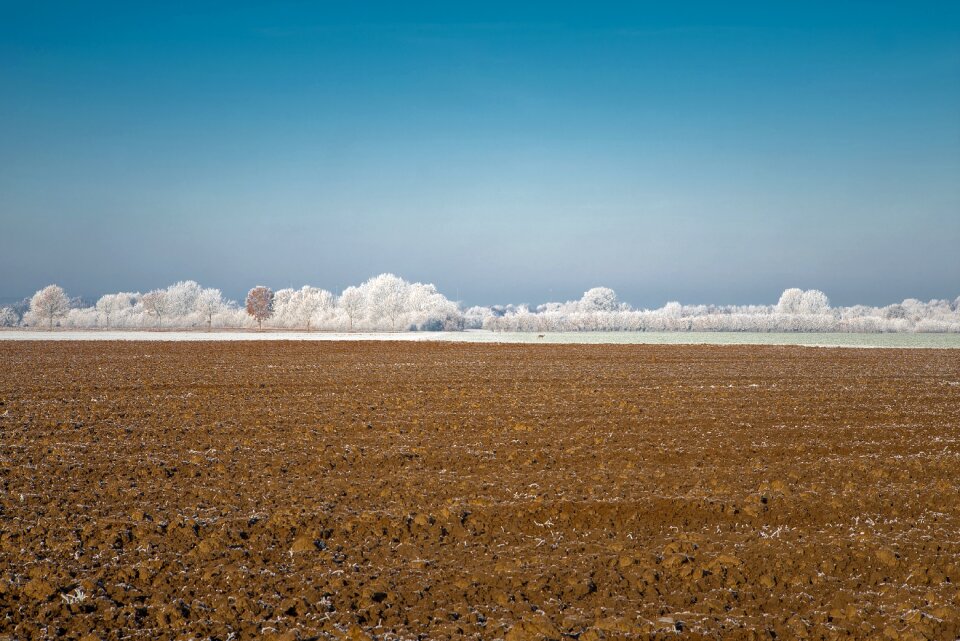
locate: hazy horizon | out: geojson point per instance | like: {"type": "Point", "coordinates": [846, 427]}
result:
{"type": "Point", "coordinates": [703, 153]}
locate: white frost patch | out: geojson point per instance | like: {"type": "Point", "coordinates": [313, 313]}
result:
{"type": "Point", "coordinates": [812, 339]}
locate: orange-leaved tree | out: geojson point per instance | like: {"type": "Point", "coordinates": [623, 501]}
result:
{"type": "Point", "coordinates": [260, 304]}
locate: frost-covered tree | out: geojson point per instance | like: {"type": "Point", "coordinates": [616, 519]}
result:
{"type": "Point", "coordinates": [474, 316]}
{"type": "Point", "coordinates": [309, 302]}
{"type": "Point", "coordinates": [8, 317]}
{"type": "Point", "coordinates": [105, 308]}
{"type": "Point", "coordinates": [673, 309]}
{"type": "Point", "coordinates": [895, 311]}
{"type": "Point", "coordinates": [302, 307]}
{"type": "Point", "coordinates": [353, 302]}
{"type": "Point", "coordinates": [109, 306]}
{"type": "Point", "coordinates": [307, 307]}
{"type": "Point", "coordinates": [428, 309]}
{"type": "Point", "coordinates": [789, 302]}
{"type": "Point", "coordinates": [155, 303]}
{"type": "Point", "coordinates": [813, 301]}
{"type": "Point", "coordinates": [49, 304]}
{"type": "Point", "coordinates": [386, 297]}
{"type": "Point", "coordinates": [797, 301]}
{"type": "Point", "coordinates": [260, 304]}
{"type": "Point", "coordinates": [599, 299]}
{"type": "Point", "coordinates": [210, 302]}
{"type": "Point", "coordinates": [283, 315]}
{"type": "Point", "coordinates": [182, 298]}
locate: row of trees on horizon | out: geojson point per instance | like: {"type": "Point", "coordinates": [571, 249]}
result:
{"type": "Point", "coordinates": [390, 303]}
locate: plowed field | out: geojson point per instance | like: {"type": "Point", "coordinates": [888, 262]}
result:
{"type": "Point", "coordinates": [445, 491]}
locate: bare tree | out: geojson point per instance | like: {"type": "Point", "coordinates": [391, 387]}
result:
{"type": "Point", "coordinates": [260, 304]}
{"type": "Point", "coordinates": [49, 303]}
{"type": "Point", "coordinates": [156, 303]}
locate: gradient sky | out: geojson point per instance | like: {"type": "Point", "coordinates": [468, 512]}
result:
{"type": "Point", "coordinates": [704, 152]}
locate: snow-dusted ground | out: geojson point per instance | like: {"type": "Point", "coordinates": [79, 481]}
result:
{"type": "Point", "coordinates": [483, 336]}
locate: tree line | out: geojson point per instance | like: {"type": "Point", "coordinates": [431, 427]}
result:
{"type": "Point", "coordinates": [390, 303]}
{"type": "Point", "coordinates": [383, 303]}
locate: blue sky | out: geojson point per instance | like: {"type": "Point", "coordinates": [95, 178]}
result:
{"type": "Point", "coordinates": [704, 152]}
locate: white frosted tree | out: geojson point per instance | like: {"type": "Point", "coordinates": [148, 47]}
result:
{"type": "Point", "coordinates": [104, 308]}
{"type": "Point", "coordinates": [599, 299]}
{"type": "Point", "coordinates": [286, 312]}
{"type": "Point", "coordinates": [915, 309]}
{"type": "Point", "coordinates": [673, 309]}
{"type": "Point", "coordinates": [49, 304]}
{"type": "Point", "coordinates": [894, 312]}
{"type": "Point", "coordinates": [309, 302]}
{"type": "Point", "coordinates": [475, 316]}
{"type": "Point", "coordinates": [428, 309]}
{"type": "Point", "coordinates": [210, 302]}
{"type": "Point", "coordinates": [798, 301]}
{"type": "Point", "coordinates": [112, 305]}
{"type": "Point", "coordinates": [283, 308]}
{"type": "Point", "coordinates": [301, 307]}
{"type": "Point", "coordinates": [789, 302]}
{"type": "Point", "coordinates": [124, 304]}
{"type": "Point", "coordinates": [182, 299]}
{"type": "Point", "coordinates": [8, 317]}
{"type": "Point", "coordinates": [353, 303]}
{"type": "Point", "coordinates": [155, 303]}
{"type": "Point", "coordinates": [813, 301]}
{"type": "Point", "coordinates": [386, 297]}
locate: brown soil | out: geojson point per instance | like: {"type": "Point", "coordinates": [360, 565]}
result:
{"type": "Point", "coordinates": [394, 490]}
